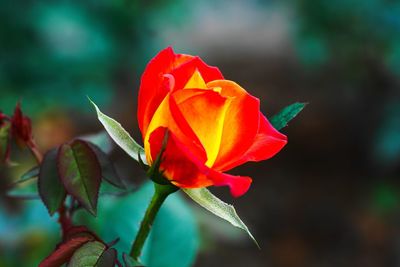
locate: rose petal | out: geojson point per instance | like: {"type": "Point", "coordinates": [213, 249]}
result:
{"type": "Point", "coordinates": [205, 113]}
{"type": "Point", "coordinates": [185, 170]}
{"type": "Point", "coordinates": [154, 85]}
{"type": "Point", "coordinates": [238, 185]}
{"type": "Point", "coordinates": [196, 81]}
{"type": "Point", "coordinates": [169, 116]}
{"type": "Point", "coordinates": [266, 144]}
{"type": "Point", "coordinates": [240, 125]}
{"type": "Point", "coordinates": [184, 72]}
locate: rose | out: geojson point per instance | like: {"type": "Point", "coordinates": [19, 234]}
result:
{"type": "Point", "coordinates": [213, 124]}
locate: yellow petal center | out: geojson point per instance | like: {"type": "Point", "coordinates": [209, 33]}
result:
{"type": "Point", "coordinates": [196, 81]}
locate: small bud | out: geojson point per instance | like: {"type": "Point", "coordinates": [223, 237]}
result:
{"type": "Point", "coordinates": [21, 128]}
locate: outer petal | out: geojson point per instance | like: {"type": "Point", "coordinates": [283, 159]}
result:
{"type": "Point", "coordinates": [240, 125]}
{"type": "Point", "coordinates": [184, 72]}
{"type": "Point", "coordinates": [266, 144]}
{"type": "Point", "coordinates": [185, 170]}
{"type": "Point", "coordinates": [154, 85]}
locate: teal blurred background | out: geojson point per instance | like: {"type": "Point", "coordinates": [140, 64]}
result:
{"type": "Point", "coordinates": [330, 198]}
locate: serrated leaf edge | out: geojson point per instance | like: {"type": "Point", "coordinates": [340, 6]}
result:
{"type": "Point", "coordinates": [198, 193]}
{"type": "Point", "coordinates": [133, 148]}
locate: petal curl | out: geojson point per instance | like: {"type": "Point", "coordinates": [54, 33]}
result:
{"type": "Point", "coordinates": [185, 170]}
{"type": "Point", "coordinates": [154, 85]}
{"type": "Point", "coordinates": [185, 71]}
{"type": "Point", "coordinates": [266, 144]}
{"type": "Point", "coordinates": [240, 125]}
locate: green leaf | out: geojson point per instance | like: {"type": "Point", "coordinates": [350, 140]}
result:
{"type": "Point", "coordinates": [87, 255]}
{"type": "Point", "coordinates": [26, 189]}
{"type": "Point", "coordinates": [281, 119]}
{"type": "Point", "coordinates": [175, 224]}
{"type": "Point", "coordinates": [32, 173]}
{"type": "Point", "coordinates": [108, 171]}
{"type": "Point", "coordinates": [119, 134]}
{"type": "Point", "coordinates": [29, 175]}
{"type": "Point", "coordinates": [107, 259]}
{"type": "Point", "coordinates": [50, 187]}
{"type": "Point", "coordinates": [213, 204]}
{"type": "Point", "coordinates": [80, 173]}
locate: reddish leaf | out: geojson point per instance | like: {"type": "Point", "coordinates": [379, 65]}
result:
{"type": "Point", "coordinates": [51, 190]}
{"type": "Point", "coordinates": [64, 252]}
{"type": "Point", "coordinates": [80, 173]}
{"type": "Point", "coordinates": [80, 230]}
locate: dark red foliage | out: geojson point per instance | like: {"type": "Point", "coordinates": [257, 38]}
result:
{"type": "Point", "coordinates": [80, 230]}
{"type": "Point", "coordinates": [64, 251]}
{"type": "Point", "coordinates": [73, 238]}
{"type": "Point", "coordinates": [21, 127]}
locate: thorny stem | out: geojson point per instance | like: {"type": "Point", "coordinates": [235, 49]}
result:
{"type": "Point", "coordinates": [161, 192]}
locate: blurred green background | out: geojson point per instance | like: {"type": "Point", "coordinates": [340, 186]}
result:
{"type": "Point", "coordinates": [330, 198]}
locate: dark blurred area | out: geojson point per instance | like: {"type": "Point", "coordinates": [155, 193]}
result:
{"type": "Point", "coordinates": [330, 198]}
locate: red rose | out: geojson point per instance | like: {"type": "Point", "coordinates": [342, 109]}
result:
{"type": "Point", "coordinates": [214, 125]}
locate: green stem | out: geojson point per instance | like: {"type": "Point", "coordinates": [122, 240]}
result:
{"type": "Point", "coordinates": [161, 192]}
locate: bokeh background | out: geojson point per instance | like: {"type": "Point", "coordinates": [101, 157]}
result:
{"type": "Point", "coordinates": [330, 198]}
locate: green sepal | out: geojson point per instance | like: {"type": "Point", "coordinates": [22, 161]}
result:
{"type": "Point", "coordinates": [282, 118]}
{"type": "Point", "coordinates": [154, 172]}
{"type": "Point", "coordinates": [32, 173]}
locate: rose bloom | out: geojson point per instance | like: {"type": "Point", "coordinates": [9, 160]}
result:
{"type": "Point", "coordinates": [213, 124]}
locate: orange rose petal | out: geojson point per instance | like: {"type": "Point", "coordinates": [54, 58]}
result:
{"type": "Point", "coordinates": [154, 85]}
{"type": "Point", "coordinates": [185, 170]}
{"type": "Point", "coordinates": [169, 116]}
{"type": "Point", "coordinates": [266, 144]}
{"type": "Point", "coordinates": [240, 125]}
{"type": "Point", "coordinates": [179, 164]}
{"type": "Point", "coordinates": [184, 72]}
{"type": "Point", "coordinates": [205, 113]}
{"type": "Point", "coordinates": [238, 185]}
{"type": "Point", "coordinates": [196, 81]}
